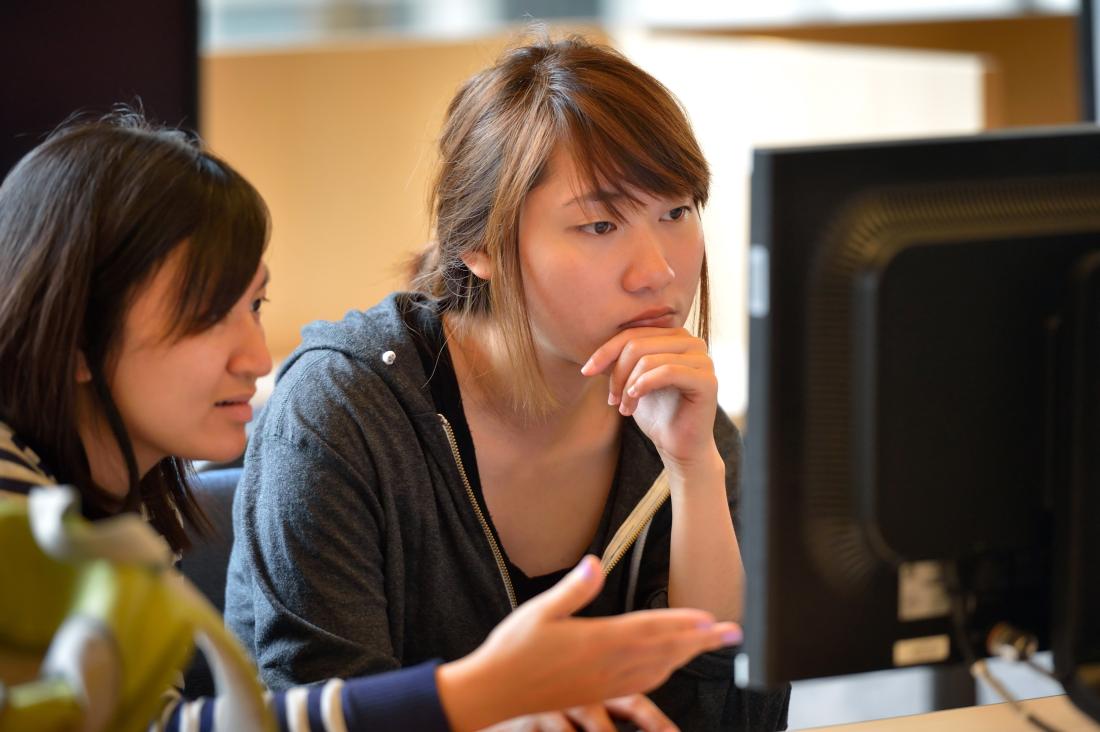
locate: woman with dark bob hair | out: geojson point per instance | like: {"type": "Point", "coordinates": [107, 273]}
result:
{"type": "Point", "coordinates": [131, 285]}
{"type": "Point", "coordinates": [427, 465]}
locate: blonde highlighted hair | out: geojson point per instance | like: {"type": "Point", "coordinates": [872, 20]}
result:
{"type": "Point", "coordinates": [626, 133]}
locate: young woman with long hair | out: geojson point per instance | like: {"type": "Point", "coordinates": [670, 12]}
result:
{"type": "Point", "coordinates": [427, 465]}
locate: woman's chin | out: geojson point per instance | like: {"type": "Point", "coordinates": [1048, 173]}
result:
{"type": "Point", "coordinates": [221, 452]}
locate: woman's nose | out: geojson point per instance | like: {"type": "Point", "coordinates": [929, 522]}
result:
{"type": "Point", "coordinates": [649, 268]}
{"type": "Point", "coordinates": [251, 359]}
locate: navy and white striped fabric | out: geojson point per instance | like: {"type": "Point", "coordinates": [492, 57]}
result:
{"type": "Point", "coordinates": [397, 701]}
{"type": "Point", "coordinates": [302, 708]}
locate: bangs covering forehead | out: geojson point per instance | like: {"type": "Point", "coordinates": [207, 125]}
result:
{"type": "Point", "coordinates": [626, 134]}
{"type": "Point", "coordinates": [223, 251]}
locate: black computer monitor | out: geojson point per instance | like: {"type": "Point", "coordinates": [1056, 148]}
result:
{"type": "Point", "coordinates": [64, 56]}
{"type": "Point", "coordinates": [917, 442]}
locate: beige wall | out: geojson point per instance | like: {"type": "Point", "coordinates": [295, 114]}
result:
{"type": "Point", "coordinates": [1032, 59]}
{"type": "Point", "coordinates": [339, 142]}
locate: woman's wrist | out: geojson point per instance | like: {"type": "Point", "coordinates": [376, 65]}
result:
{"type": "Point", "coordinates": [457, 696]}
{"type": "Point", "coordinates": [706, 469]}
{"type": "Point", "coordinates": [462, 698]}
{"type": "Point", "coordinates": [471, 698]}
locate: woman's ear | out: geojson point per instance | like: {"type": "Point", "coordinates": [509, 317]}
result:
{"type": "Point", "coordinates": [479, 263]}
{"type": "Point", "coordinates": [83, 373]}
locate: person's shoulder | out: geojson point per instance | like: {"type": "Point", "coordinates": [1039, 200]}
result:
{"type": "Point", "coordinates": [355, 337]}
{"type": "Point", "coordinates": [362, 335]}
{"type": "Point", "coordinates": [365, 366]}
{"type": "Point", "coordinates": [373, 339]}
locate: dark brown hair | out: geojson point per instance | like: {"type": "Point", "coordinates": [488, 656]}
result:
{"type": "Point", "coordinates": [625, 131]}
{"type": "Point", "coordinates": [86, 218]}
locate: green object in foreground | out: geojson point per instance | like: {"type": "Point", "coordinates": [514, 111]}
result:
{"type": "Point", "coordinates": [95, 624]}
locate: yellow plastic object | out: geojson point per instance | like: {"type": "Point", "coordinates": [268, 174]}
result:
{"type": "Point", "coordinates": [111, 621]}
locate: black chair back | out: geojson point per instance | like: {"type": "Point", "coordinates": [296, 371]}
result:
{"type": "Point", "coordinates": [207, 561]}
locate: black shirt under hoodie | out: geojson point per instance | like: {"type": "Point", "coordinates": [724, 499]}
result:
{"type": "Point", "coordinates": [435, 358]}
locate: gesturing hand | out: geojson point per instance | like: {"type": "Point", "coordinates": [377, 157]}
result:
{"type": "Point", "coordinates": [540, 658]}
{"type": "Point", "coordinates": [665, 379]}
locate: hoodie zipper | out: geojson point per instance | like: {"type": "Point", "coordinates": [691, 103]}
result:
{"type": "Point", "coordinates": [505, 577]}
{"type": "Point", "coordinates": [635, 523]}
{"type": "Point", "coordinates": [616, 550]}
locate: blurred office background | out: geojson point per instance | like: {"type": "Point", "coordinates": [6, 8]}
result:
{"type": "Point", "coordinates": [231, 22]}
{"type": "Point", "coordinates": [331, 107]}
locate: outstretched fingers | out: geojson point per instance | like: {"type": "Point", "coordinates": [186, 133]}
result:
{"type": "Point", "coordinates": [645, 647]}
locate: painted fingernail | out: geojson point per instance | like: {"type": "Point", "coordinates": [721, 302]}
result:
{"type": "Point", "coordinates": [586, 367]}
{"type": "Point", "coordinates": [584, 569]}
{"type": "Point", "coordinates": [733, 637]}
{"type": "Point", "coordinates": [612, 400]}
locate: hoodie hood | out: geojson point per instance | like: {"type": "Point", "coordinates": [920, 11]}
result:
{"type": "Point", "coordinates": [379, 340]}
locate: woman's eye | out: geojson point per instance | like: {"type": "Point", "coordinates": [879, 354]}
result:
{"type": "Point", "coordinates": [599, 228]}
{"type": "Point", "coordinates": [678, 213]}
{"type": "Point", "coordinates": [258, 304]}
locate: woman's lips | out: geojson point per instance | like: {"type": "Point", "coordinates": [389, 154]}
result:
{"type": "Point", "coordinates": [652, 319]}
{"type": "Point", "coordinates": [237, 409]}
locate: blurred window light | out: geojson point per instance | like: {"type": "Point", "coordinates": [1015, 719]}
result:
{"type": "Point", "coordinates": [228, 23]}
{"type": "Point", "coordinates": [695, 13]}
{"type": "Point", "coordinates": [278, 22]}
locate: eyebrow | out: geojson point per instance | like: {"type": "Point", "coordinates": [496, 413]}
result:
{"type": "Point", "coordinates": [598, 196]}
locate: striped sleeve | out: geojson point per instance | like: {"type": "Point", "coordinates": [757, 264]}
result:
{"type": "Point", "coordinates": [406, 699]}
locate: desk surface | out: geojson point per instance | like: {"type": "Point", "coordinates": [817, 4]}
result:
{"type": "Point", "coordinates": [1056, 711]}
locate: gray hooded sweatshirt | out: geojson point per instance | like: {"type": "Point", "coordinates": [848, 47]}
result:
{"type": "Point", "coordinates": [357, 547]}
